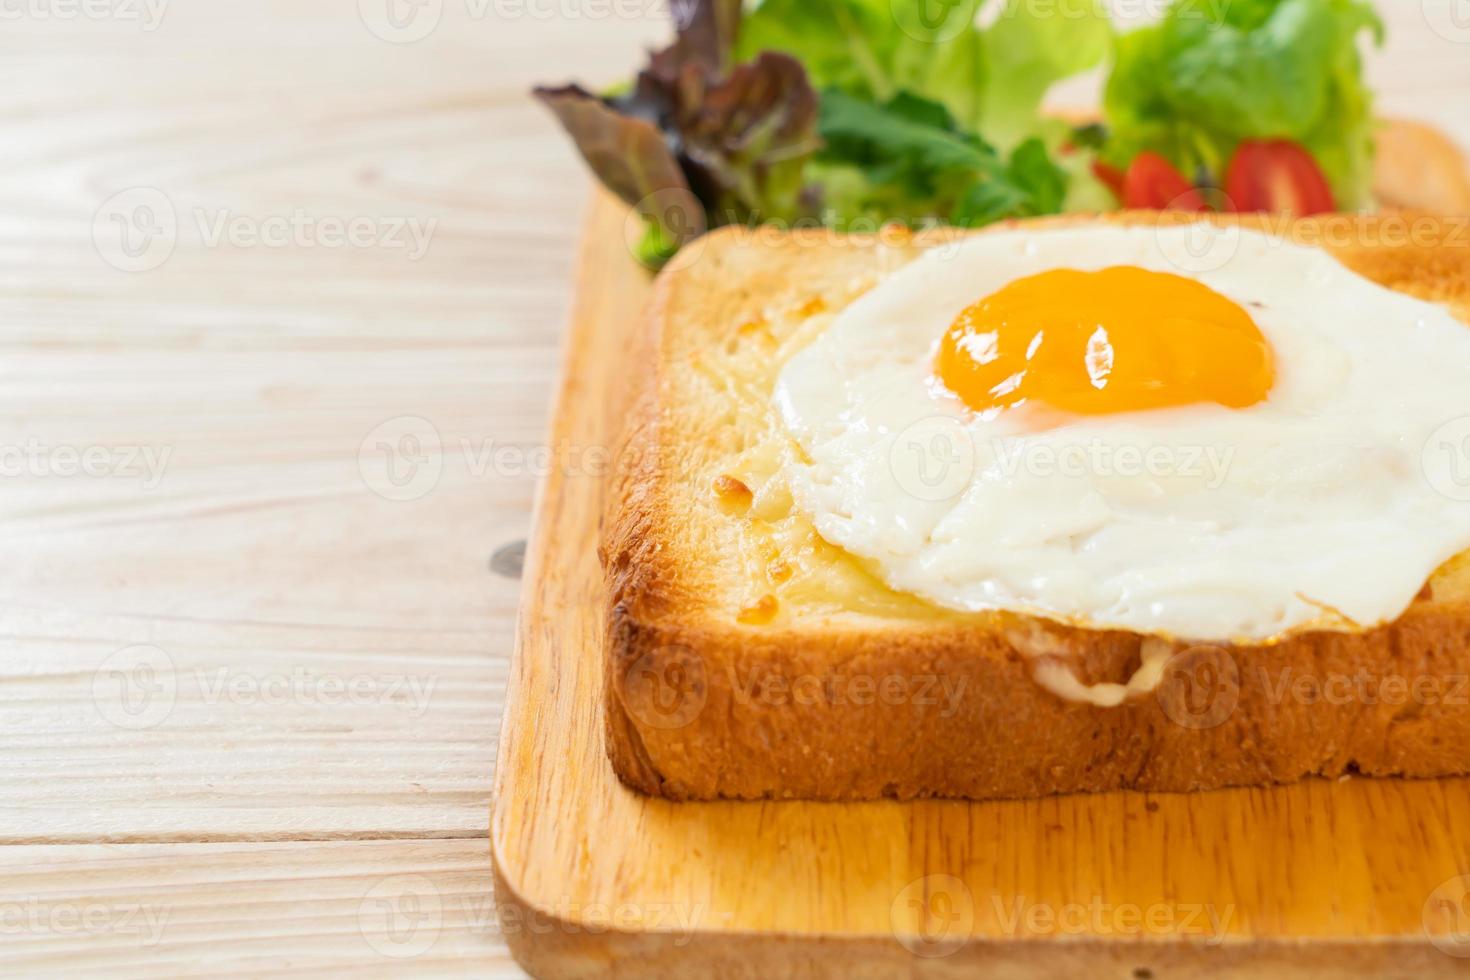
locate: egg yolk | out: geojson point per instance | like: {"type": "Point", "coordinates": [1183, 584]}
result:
{"type": "Point", "coordinates": [1094, 343]}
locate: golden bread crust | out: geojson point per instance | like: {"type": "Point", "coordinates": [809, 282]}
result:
{"type": "Point", "coordinates": [746, 659]}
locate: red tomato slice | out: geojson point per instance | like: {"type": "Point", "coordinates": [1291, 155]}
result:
{"type": "Point", "coordinates": [1153, 184]}
{"type": "Point", "coordinates": [1111, 176]}
{"type": "Point", "coordinates": [1277, 175]}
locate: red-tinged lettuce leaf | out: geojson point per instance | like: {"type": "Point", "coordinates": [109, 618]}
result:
{"type": "Point", "coordinates": [707, 32]}
{"type": "Point", "coordinates": [629, 155]}
{"type": "Point", "coordinates": [746, 139]}
{"type": "Point", "coordinates": [740, 142]}
{"type": "Point", "coordinates": [632, 159]}
{"type": "Point", "coordinates": [736, 137]}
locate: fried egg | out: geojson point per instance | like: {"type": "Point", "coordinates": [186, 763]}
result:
{"type": "Point", "coordinates": [1095, 425]}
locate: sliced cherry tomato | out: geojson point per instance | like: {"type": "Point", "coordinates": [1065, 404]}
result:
{"type": "Point", "coordinates": [1277, 175]}
{"type": "Point", "coordinates": [1111, 176]}
{"type": "Point", "coordinates": [1153, 184]}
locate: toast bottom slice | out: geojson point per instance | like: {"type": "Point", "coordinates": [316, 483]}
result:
{"type": "Point", "coordinates": [836, 689]}
{"type": "Point", "coordinates": [867, 716]}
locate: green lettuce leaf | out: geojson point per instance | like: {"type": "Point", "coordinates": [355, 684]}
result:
{"type": "Point", "coordinates": [1029, 49]}
{"type": "Point", "coordinates": [1031, 184]}
{"type": "Point", "coordinates": [907, 160]}
{"type": "Point", "coordinates": [1214, 73]}
{"type": "Point", "coordinates": [991, 80]}
{"type": "Point", "coordinates": [908, 137]}
{"type": "Point", "coordinates": [845, 44]}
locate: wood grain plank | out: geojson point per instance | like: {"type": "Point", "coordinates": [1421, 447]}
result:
{"type": "Point", "coordinates": [260, 563]}
{"type": "Point", "coordinates": [208, 910]}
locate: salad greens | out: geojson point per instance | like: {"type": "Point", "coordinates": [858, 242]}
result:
{"type": "Point", "coordinates": [913, 162]}
{"type": "Point", "coordinates": [991, 80]}
{"type": "Point", "coordinates": [1213, 73]}
{"type": "Point", "coordinates": [730, 116]}
{"type": "Point", "coordinates": [698, 138]}
{"type": "Point", "coordinates": [851, 113]}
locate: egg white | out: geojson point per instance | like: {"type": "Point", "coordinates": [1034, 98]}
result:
{"type": "Point", "coordinates": [1312, 509]}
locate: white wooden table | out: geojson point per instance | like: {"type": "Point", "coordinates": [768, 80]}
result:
{"type": "Point", "coordinates": [280, 304]}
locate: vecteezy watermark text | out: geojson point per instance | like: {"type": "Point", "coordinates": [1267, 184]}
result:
{"type": "Point", "coordinates": [1096, 917]}
{"type": "Point", "coordinates": [407, 21]}
{"type": "Point", "coordinates": [137, 688]}
{"type": "Point", "coordinates": [1098, 458]}
{"type": "Point", "coordinates": [596, 918]}
{"type": "Point", "coordinates": [1201, 687]}
{"type": "Point", "coordinates": [1362, 687]}
{"type": "Point", "coordinates": [36, 458]}
{"type": "Point", "coordinates": [147, 14]}
{"type": "Point", "coordinates": [403, 458]}
{"type": "Point", "coordinates": [137, 230]}
{"type": "Point", "coordinates": [300, 228]}
{"type": "Point", "coordinates": [835, 689]}
{"type": "Point", "coordinates": [936, 458]}
{"type": "Point", "coordinates": [669, 687]}
{"type": "Point", "coordinates": [937, 915]}
{"type": "Point", "coordinates": [300, 686]}
{"type": "Point", "coordinates": [403, 916]}
{"type": "Point", "coordinates": [35, 917]}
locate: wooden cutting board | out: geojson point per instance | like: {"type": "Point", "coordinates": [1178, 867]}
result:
{"type": "Point", "coordinates": [1358, 877]}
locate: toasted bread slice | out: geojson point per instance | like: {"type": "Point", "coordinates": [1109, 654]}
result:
{"type": "Point", "coordinates": [748, 658]}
